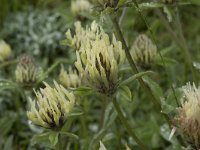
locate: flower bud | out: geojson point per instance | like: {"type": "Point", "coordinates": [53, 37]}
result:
{"type": "Point", "coordinates": [80, 6]}
{"type": "Point", "coordinates": [188, 118]}
{"type": "Point", "coordinates": [69, 79]}
{"type": "Point", "coordinates": [51, 107]}
{"type": "Point", "coordinates": [5, 51]}
{"type": "Point", "coordinates": [143, 51]}
{"type": "Point", "coordinates": [98, 59]}
{"type": "Point", "coordinates": [27, 72]}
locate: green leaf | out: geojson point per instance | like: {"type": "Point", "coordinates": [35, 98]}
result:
{"type": "Point", "coordinates": [166, 108]}
{"type": "Point", "coordinates": [6, 124]}
{"type": "Point", "coordinates": [125, 93]}
{"type": "Point", "coordinates": [82, 91]}
{"type": "Point", "coordinates": [6, 84]}
{"type": "Point", "coordinates": [168, 14]}
{"type": "Point", "coordinates": [76, 112]}
{"type": "Point", "coordinates": [135, 76]}
{"type": "Point", "coordinates": [8, 143]}
{"type": "Point", "coordinates": [121, 3]}
{"type": "Point", "coordinates": [155, 88]}
{"type": "Point", "coordinates": [108, 112]}
{"type": "Point", "coordinates": [165, 133]}
{"type": "Point", "coordinates": [71, 135]}
{"type": "Point", "coordinates": [42, 138]}
{"type": "Point", "coordinates": [102, 132]}
{"type": "Point", "coordinates": [102, 147]}
{"type": "Point", "coordinates": [53, 138]}
{"type": "Point", "coordinates": [167, 61]}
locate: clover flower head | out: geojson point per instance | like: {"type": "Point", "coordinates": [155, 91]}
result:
{"type": "Point", "coordinates": [143, 51]}
{"type": "Point", "coordinates": [5, 51]}
{"type": "Point", "coordinates": [80, 6]}
{"type": "Point", "coordinates": [51, 107]}
{"type": "Point", "coordinates": [27, 72]}
{"type": "Point", "coordinates": [188, 119]}
{"type": "Point", "coordinates": [98, 59]}
{"type": "Point", "coordinates": [91, 33]}
{"type": "Point", "coordinates": [69, 79]}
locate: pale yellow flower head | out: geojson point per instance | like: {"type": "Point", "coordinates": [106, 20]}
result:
{"type": "Point", "coordinates": [5, 51]}
{"type": "Point", "coordinates": [188, 119]}
{"type": "Point", "coordinates": [83, 35]}
{"type": "Point", "coordinates": [143, 51]}
{"type": "Point", "coordinates": [80, 6]}
{"type": "Point", "coordinates": [70, 78]}
{"type": "Point", "coordinates": [98, 58]}
{"type": "Point", "coordinates": [51, 107]}
{"type": "Point", "coordinates": [191, 106]}
{"type": "Point", "coordinates": [27, 72]}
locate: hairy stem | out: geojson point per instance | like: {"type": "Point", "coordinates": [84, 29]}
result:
{"type": "Point", "coordinates": [127, 125]}
{"type": "Point", "coordinates": [59, 144]}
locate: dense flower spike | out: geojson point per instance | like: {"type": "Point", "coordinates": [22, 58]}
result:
{"type": "Point", "coordinates": [80, 6]}
{"type": "Point", "coordinates": [143, 51]}
{"type": "Point", "coordinates": [98, 58]}
{"type": "Point", "coordinates": [188, 120]}
{"type": "Point", "coordinates": [27, 72]}
{"type": "Point", "coordinates": [51, 107]}
{"type": "Point", "coordinates": [5, 51]}
{"type": "Point", "coordinates": [69, 79]}
{"type": "Point", "coordinates": [82, 35]}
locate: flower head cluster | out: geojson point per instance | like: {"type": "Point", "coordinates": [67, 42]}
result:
{"type": "Point", "coordinates": [188, 119]}
{"type": "Point", "coordinates": [69, 79]}
{"type": "Point", "coordinates": [51, 107]}
{"type": "Point", "coordinates": [5, 51]}
{"type": "Point", "coordinates": [90, 33]}
{"type": "Point", "coordinates": [27, 72]}
{"type": "Point", "coordinates": [98, 58]}
{"type": "Point", "coordinates": [143, 51]}
{"type": "Point", "coordinates": [80, 6]}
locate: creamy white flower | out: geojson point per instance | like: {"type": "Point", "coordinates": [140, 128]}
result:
{"type": "Point", "coordinates": [5, 51]}
{"type": "Point", "coordinates": [98, 58]}
{"type": "Point", "coordinates": [80, 6]}
{"type": "Point", "coordinates": [143, 51]}
{"type": "Point", "coordinates": [27, 72]}
{"type": "Point", "coordinates": [84, 35]}
{"type": "Point", "coordinates": [191, 106]}
{"type": "Point", "coordinates": [188, 117]}
{"type": "Point", "coordinates": [51, 107]}
{"type": "Point", "coordinates": [69, 79]}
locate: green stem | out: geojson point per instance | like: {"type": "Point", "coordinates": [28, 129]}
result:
{"type": "Point", "coordinates": [103, 108]}
{"type": "Point", "coordinates": [132, 64]}
{"type": "Point", "coordinates": [128, 126]}
{"type": "Point", "coordinates": [59, 145]}
{"type": "Point", "coordinates": [146, 88]}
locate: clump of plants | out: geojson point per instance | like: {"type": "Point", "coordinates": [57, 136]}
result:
{"type": "Point", "coordinates": [35, 31]}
